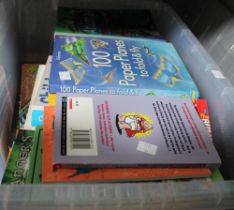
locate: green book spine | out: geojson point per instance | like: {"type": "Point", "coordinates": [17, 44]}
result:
{"type": "Point", "coordinates": [38, 162]}
{"type": "Point", "coordinates": [35, 163]}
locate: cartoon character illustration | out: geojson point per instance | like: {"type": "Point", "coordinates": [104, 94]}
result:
{"type": "Point", "coordinates": [97, 43]}
{"type": "Point", "coordinates": [134, 124]}
{"type": "Point", "coordinates": [76, 48]}
{"type": "Point", "coordinates": [167, 73]}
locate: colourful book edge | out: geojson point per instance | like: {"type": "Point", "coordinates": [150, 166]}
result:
{"type": "Point", "coordinates": [201, 106]}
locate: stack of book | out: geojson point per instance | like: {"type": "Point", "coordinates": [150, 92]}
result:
{"type": "Point", "coordinates": [110, 108]}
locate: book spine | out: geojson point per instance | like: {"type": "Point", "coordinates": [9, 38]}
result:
{"type": "Point", "coordinates": [34, 154]}
{"type": "Point", "coordinates": [64, 127]}
{"type": "Point", "coordinates": [192, 94]}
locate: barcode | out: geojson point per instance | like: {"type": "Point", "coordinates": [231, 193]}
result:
{"type": "Point", "coordinates": [81, 139]}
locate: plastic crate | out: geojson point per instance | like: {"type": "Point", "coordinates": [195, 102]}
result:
{"type": "Point", "coordinates": [154, 195]}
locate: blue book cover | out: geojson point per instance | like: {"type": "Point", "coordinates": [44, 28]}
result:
{"type": "Point", "coordinates": [114, 65]}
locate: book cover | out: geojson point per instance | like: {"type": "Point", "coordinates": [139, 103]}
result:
{"type": "Point", "coordinates": [118, 66]}
{"type": "Point", "coordinates": [39, 98]}
{"type": "Point", "coordinates": [17, 168]}
{"type": "Point", "coordinates": [130, 131]}
{"type": "Point", "coordinates": [50, 174]}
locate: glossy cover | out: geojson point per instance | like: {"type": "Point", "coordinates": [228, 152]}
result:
{"type": "Point", "coordinates": [50, 174]}
{"type": "Point", "coordinates": [106, 130]}
{"type": "Point", "coordinates": [118, 66]}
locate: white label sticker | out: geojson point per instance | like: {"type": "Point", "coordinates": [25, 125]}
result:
{"type": "Point", "coordinates": [218, 74]}
{"type": "Point", "coordinates": [64, 75]}
{"type": "Point", "coordinates": [148, 148]}
{"type": "Point", "coordinates": [81, 131]}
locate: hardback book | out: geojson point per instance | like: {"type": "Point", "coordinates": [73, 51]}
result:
{"type": "Point", "coordinates": [115, 65]}
{"type": "Point", "coordinates": [52, 174]}
{"type": "Point", "coordinates": [102, 130]}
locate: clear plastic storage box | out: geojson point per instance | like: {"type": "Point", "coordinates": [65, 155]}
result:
{"type": "Point", "coordinates": [26, 32]}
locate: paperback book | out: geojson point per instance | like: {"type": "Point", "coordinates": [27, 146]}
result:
{"type": "Point", "coordinates": [50, 174]}
{"type": "Point", "coordinates": [130, 131]}
{"type": "Point", "coordinates": [112, 65]}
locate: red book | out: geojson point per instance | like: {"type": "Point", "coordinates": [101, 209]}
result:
{"type": "Point", "coordinates": [50, 174]}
